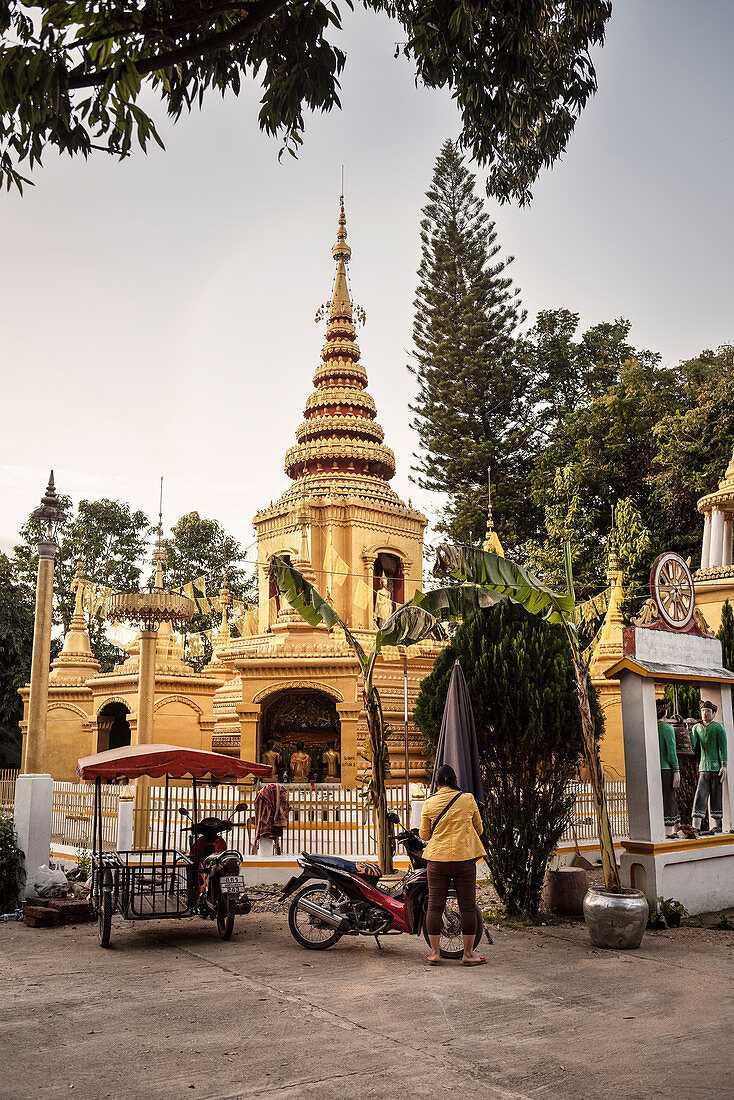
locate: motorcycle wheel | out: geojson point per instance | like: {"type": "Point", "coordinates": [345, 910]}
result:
{"type": "Point", "coordinates": [306, 929]}
{"type": "Point", "coordinates": [225, 916]}
{"type": "Point", "coordinates": [451, 944]}
{"type": "Point", "coordinates": [104, 910]}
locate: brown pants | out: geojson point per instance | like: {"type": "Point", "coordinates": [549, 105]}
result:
{"type": "Point", "coordinates": [463, 874]}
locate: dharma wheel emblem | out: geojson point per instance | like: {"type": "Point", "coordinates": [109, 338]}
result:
{"type": "Point", "coordinates": [671, 586]}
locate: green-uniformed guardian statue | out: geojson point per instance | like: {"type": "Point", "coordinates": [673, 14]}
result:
{"type": "Point", "coordinates": [669, 771]}
{"type": "Point", "coordinates": [711, 736]}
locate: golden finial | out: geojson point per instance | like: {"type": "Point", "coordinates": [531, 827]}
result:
{"type": "Point", "coordinates": [160, 553]}
{"type": "Point", "coordinates": [491, 542]}
{"type": "Point", "coordinates": [612, 563]}
{"type": "Point", "coordinates": [341, 302]}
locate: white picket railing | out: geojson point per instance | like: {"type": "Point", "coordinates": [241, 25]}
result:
{"type": "Point", "coordinates": [325, 818]}
{"type": "Point", "coordinates": [72, 810]}
{"type": "Point", "coordinates": [583, 818]}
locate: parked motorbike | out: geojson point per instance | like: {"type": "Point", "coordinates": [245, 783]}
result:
{"type": "Point", "coordinates": [218, 887]}
{"type": "Point", "coordinates": [335, 897]}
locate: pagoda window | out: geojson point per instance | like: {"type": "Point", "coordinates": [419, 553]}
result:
{"type": "Point", "coordinates": [388, 581]}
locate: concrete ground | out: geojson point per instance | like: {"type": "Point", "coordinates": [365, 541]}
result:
{"type": "Point", "coordinates": [170, 1011]}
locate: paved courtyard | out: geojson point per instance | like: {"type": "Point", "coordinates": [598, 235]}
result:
{"type": "Point", "coordinates": [170, 1011]}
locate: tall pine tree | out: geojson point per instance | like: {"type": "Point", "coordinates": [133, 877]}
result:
{"type": "Point", "coordinates": [470, 409]}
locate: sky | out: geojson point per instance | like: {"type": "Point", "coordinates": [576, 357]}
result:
{"type": "Point", "coordinates": [158, 312]}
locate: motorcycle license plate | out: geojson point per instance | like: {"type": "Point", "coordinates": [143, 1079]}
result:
{"type": "Point", "coordinates": [232, 884]}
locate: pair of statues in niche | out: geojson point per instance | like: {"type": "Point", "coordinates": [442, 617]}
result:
{"type": "Point", "coordinates": [299, 767]}
{"type": "Point", "coordinates": [710, 736]}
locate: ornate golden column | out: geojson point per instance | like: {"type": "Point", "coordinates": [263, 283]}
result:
{"type": "Point", "coordinates": [368, 562]}
{"type": "Point", "coordinates": [148, 609]}
{"type": "Point", "coordinates": [34, 745]}
{"type": "Point", "coordinates": [248, 714]}
{"type": "Point", "coordinates": [348, 717]}
{"type": "Point", "coordinates": [146, 686]}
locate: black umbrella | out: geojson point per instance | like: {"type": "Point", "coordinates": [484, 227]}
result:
{"type": "Point", "coordinates": [457, 741]}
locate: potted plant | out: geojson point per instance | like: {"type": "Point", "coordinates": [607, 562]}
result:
{"type": "Point", "coordinates": [667, 913]}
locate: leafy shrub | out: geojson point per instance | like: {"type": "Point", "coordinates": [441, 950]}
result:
{"type": "Point", "coordinates": [12, 865]}
{"type": "Point", "coordinates": [520, 678]}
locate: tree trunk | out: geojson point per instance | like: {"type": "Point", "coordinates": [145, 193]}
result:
{"type": "Point", "coordinates": [376, 728]}
{"type": "Point", "coordinates": [591, 756]}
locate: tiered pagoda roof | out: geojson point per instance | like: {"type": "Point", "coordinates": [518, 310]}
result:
{"type": "Point", "coordinates": [340, 449]}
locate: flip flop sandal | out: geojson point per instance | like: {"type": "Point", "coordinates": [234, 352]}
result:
{"type": "Point", "coordinates": [432, 962]}
{"type": "Point", "coordinates": [473, 962]}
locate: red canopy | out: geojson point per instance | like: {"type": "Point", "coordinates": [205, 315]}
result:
{"type": "Point", "coordinates": [133, 761]}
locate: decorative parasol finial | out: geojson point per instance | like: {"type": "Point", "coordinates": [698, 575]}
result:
{"type": "Point", "coordinates": [49, 512]}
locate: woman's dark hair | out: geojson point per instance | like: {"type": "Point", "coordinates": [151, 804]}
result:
{"type": "Point", "coordinates": [446, 777]}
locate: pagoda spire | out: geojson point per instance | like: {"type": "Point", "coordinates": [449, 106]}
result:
{"type": "Point", "coordinates": [341, 301]}
{"type": "Point", "coordinates": [76, 662]}
{"type": "Point", "coordinates": [340, 449]}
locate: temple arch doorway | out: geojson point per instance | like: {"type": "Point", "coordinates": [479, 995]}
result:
{"type": "Point", "coordinates": [302, 716]}
{"type": "Point", "coordinates": [113, 728]}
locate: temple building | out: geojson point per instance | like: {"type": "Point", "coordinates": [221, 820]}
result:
{"type": "Point", "coordinates": [714, 581]}
{"type": "Point", "coordinates": [340, 523]}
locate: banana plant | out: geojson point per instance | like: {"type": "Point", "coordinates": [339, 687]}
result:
{"type": "Point", "coordinates": [506, 580]}
{"type": "Point", "coordinates": [409, 624]}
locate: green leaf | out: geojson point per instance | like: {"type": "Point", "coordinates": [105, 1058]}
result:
{"type": "Point", "coordinates": [452, 604]}
{"type": "Point", "coordinates": [411, 623]}
{"type": "Point", "coordinates": [505, 580]}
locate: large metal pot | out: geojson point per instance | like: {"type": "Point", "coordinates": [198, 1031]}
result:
{"type": "Point", "coordinates": [615, 919]}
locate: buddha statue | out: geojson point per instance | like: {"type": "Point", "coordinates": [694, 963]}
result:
{"type": "Point", "coordinates": [271, 757]}
{"type": "Point", "coordinates": [332, 760]}
{"type": "Point", "coordinates": [383, 602]}
{"type": "Point", "coordinates": [300, 764]}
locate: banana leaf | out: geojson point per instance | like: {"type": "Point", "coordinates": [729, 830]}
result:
{"type": "Point", "coordinates": [506, 580]}
{"type": "Point", "coordinates": [309, 603]}
{"type": "Point", "coordinates": [457, 602]}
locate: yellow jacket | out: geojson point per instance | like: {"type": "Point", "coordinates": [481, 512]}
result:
{"type": "Point", "coordinates": [456, 836]}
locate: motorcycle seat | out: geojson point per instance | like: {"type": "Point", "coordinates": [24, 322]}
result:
{"type": "Point", "coordinates": [362, 868]}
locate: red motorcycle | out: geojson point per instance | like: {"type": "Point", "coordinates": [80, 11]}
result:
{"type": "Point", "coordinates": [337, 897]}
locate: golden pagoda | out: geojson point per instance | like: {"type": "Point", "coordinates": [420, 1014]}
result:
{"type": "Point", "coordinates": [347, 531]}
{"type": "Point", "coordinates": [609, 650]}
{"type": "Point", "coordinates": [89, 711]}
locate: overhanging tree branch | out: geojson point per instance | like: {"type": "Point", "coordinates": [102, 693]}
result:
{"type": "Point", "coordinates": [199, 47]}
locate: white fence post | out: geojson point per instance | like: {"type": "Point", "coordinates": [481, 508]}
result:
{"type": "Point", "coordinates": [125, 820]}
{"type": "Point", "coordinates": [32, 814]}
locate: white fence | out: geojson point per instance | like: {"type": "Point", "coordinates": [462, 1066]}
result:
{"type": "Point", "coordinates": [583, 818]}
{"type": "Point", "coordinates": [325, 818]}
{"type": "Point", "coordinates": [72, 811]}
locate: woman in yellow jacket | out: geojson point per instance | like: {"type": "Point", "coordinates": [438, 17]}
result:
{"type": "Point", "coordinates": [452, 825]}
